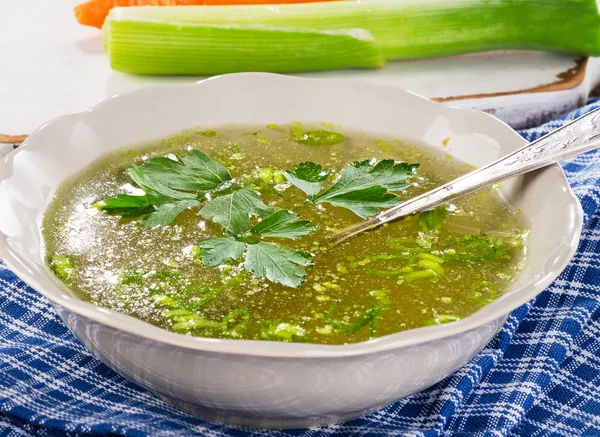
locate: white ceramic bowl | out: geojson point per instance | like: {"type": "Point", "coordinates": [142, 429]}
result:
{"type": "Point", "coordinates": [262, 383]}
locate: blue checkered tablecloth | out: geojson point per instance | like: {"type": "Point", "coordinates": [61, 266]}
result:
{"type": "Point", "coordinates": [540, 376]}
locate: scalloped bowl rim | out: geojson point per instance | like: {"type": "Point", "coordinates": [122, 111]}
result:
{"type": "Point", "coordinates": [492, 311]}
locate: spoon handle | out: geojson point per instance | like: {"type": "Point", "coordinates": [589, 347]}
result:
{"type": "Point", "coordinates": [579, 136]}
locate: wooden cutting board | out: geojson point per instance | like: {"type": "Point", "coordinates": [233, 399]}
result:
{"type": "Point", "coordinates": [58, 67]}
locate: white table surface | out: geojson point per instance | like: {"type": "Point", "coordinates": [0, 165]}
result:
{"type": "Point", "coordinates": [51, 66]}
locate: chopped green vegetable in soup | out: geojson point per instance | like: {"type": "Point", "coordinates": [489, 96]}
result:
{"type": "Point", "coordinates": [225, 233]}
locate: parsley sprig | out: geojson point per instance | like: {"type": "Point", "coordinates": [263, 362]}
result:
{"type": "Point", "coordinates": [170, 185]}
{"type": "Point", "coordinates": [174, 184]}
{"type": "Point", "coordinates": [278, 263]}
{"type": "Point", "coordinates": [364, 187]}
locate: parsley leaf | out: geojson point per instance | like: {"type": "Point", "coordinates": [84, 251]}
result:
{"type": "Point", "coordinates": [154, 188]}
{"type": "Point", "coordinates": [366, 202]}
{"type": "Point", "coordinates": [278, 263]}
{"type": "Point", "coordinates": [196, 172]}
{"type": "Point", "coordinates": [363, 174]}
{"type": "Point", "coordinates": [283, 224]}
{"type": "Point", "coordinates": [433, 219]}
{"type": "Point", "coordinates": [232, 211]}
{"type": "Point", "coordinates": [127, 205]}
{"type": "Point", "coordinates": [205, 169]}
{"type": "Point", "coordinates": [391, 175]}
{"type": "Point", "coordinates": [170, 187]}
{"type": "Point", "coordinates": [167, 212]}
{"type": "Point", "coordinates": [364, 187]}
{"type": "Point", "coordinates": [220, 250]}
{"type": "Point", "coordinates": [309, 177]}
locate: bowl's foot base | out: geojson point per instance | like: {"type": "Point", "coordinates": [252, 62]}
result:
{"type": "Point", "coordinates": [263, 422]}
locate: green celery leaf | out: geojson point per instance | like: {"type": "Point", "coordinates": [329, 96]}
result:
{"type": "Point", "coordinates": [220, 250]}
{"type": "Point", "coordinates": [283, 224]}
{"type": "Point", "coordinates": [278, 263]}
{"type": "Point", "coordinates": [364, 186]}
{"type": "Point", "coordinates": [433, 219]}
{"type": "Point", "coordinates": [165, 213]}
{"type": "Point", "coordinates": [232, 211]}
{"type": "Point", "coordinates": [127, 205]}
{"type": "Point", "coordinates": [309, 177]}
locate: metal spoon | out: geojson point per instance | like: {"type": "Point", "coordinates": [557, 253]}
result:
{"type": "Point", "coordinates": [579, 136]}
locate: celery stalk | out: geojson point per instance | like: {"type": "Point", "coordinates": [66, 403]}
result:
{"type": "Point", "coordinates": [218, 39]}
{"type": "Point", "coordinates": [167, 47]}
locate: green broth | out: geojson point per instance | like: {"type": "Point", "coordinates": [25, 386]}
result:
{"type": "Point", "coordinates": [395, 278]}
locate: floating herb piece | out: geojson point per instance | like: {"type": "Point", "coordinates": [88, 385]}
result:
{"type": "Point", "coordinates": [365, 174]}
{"type": "Point", "coordinates": [221, 250]}
{"type": "Point", "coordinates": [196, 172]}
{"type": "Point", "coordinates": [277, 263]}
{"type": "Point", "coordinates": [309, 177]}
{"type": "Point", "coordinates": [209, 133]}
{"type": "Point", "coordinates": [171, 185]}
{"type": "Point", "coordinates": [443, 318]}
{"type": "Point", "coordinates": [208, 295]}
{"type": "Point", "coordinates": [62, 267]}
{"type": "Point", "coordinates": [431, 265]}
{"type": "Point", "coordinates": [283, 224]}
{"type": "Point", "coordinates": [475, 249]}
{"type": "Point", "coordinates": [419, 275]}
{"type": "Point", "coordinates": [370, 318]}
{"type": "Point", "coordinates": [193, 323]}
{"type": "Point", "coordinates": [168, 289]}
{"type": "Point", "coordinates": [127, 205]}
{"type": "Point", "coordinates": [320, 138]}
{"type": "Point", "coordinates": [433, 219]}
{"type": "Point", "coordinates": [233, 211]}
{"type": "Point", "coordinates": [281, 331]}
{"type": "Point", "coordinates": [235, 322]}
{"type": "Point", "coordinates": [166, 213]}
{"type": "Point", "coordinates": [364, 203]}
{"type": "Point", "coordinates": [364, 187]}
{"type": "Point", "coordinates": [483, 292]}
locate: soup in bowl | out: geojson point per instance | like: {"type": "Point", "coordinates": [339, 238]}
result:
{"type": "Point", "coordinates": [183, 235]}
{"type": "Point", "coordinates": [225, 234]}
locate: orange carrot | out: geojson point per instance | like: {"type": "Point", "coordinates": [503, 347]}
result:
{"type": "Point", "coordinates": [93, 12]}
